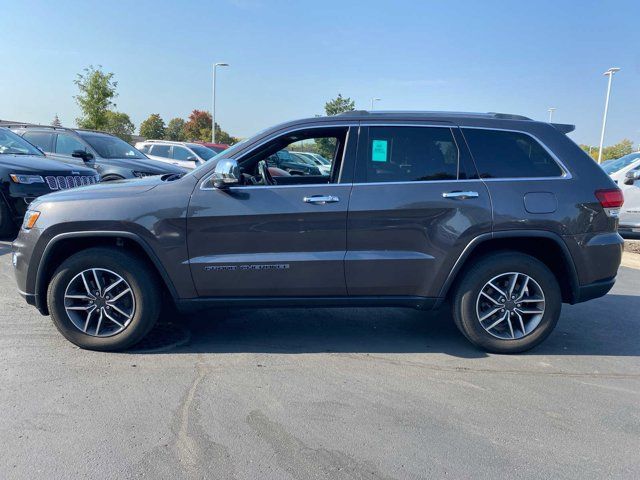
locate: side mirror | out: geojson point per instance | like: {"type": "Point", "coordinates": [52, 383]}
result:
{"type": "Point", "coordinates": [226, 174]}
{"type": "Point", "coordinates": [631, 177]}
{"type": "Point", "coordinates": [86, 156]}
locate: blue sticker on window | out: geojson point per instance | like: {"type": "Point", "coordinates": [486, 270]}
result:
{"type": "Point", "coordinates": [379, 150]}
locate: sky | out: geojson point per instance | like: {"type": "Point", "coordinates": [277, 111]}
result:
{"type": "Point", "coordinates": [289, 57]}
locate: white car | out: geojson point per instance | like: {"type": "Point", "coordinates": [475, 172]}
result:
{"type": "Point", "coordinates": [625, 171]}
{"type": "Point", "coordinates": [315, 159]}
{"type": "Point", "coordinates": [184, 154]}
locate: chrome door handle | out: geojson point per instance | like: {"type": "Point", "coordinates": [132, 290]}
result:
{"type": "Point", "coordinates": [460, 195]}
{"type": "Point", "coordinates": [321, 199]}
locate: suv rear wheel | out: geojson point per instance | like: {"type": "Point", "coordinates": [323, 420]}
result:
{"type": "Point", "coordinates": [507, 302]}
{"type": "Point", "coordinates": [104, 299]}
{"type": "Point", "coordinates": [7, 227]}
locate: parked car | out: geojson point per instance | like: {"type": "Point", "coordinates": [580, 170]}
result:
{"type": "Point", "coordinates": [216, 147]}
{"type": "Point", "coordinates": [325, 169]}
{"type": "Point", "coordinates": [183, 154]}
{"type": "Point", "coordinates": [501, 216]}
{"type": "Point", "coordinates": [625, 171]}
{"type": "Point", "coordinates": [25, 173]}
{"type": "Point", "coordinates": [287, 162]}
{"type": "Point", "coordinates": [112, 157]}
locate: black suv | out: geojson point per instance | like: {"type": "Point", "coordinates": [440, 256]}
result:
{"type": "Point", "coordinates": [504, 217]}
{"type": "Point", "coordinates": [111, 156]}
{"type": "Point", "coordinates": [283, 160]}
{"type": "Point", "coordinates": [25, 173]}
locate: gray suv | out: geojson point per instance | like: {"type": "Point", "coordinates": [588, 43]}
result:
{"type": "Point", "coordinates": [502, 217]}
{"type": "Point", "coordinates": [111, 156]}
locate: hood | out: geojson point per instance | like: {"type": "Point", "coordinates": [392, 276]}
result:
{"type": "Point", "coordinates": [40, 164]}
{"type": "Point", "coordinates": [119, 188]}
{"type": "Point", "coordinates": [141, 165]}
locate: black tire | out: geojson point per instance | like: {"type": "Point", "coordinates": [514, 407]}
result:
{"type": "Point", "coordinates": [476, 277]}
{"type": "Point", "coordinates": [144, 284]}
{"type": "Point", "coordinates": [7, 225]}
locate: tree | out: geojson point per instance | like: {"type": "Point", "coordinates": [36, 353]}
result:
{"type": "Point", "coordinates": [175, 130]}
{"type": "Point", "coordinates": [224, 137]}
{"type": "Point", "coordinates": [153, 127]}
{"type": "Point", "coordinates": [620, 149]}
{"type": "Point", "coordinates": [119, 124]}
{"type": "Point", "coordinates": [338, 105]}
{"type": "Point", "coordinates": [327, 146]}
{"type": "Point", "coordinates": [198, 127]}
{"type": "Point", "coordinates": [56, 121]}
{"type": "Point", "coordinates": [97, 91]}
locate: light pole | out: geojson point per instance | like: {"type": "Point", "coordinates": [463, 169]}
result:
{"type": "Point", "coordinates": [551, 110]}
{"type": "Point", "coordinates": [610, 74]}
{"type": "Point", "coordinates": [374, 99]}
{"type": "Point", "coordinates": [213, 102]}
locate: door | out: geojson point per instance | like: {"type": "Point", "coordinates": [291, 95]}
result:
{"type": "Point", "coordinates": [630, 211]}
{"type": "Point", "coordinates": [415, 204]}
{"type": "Point", "coordinates": [275, 240]}
{"type": "Point", "coordinates": [183, 157]}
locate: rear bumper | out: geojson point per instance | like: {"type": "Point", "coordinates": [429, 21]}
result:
{"type": "Point", "coordinates": [594, 290]}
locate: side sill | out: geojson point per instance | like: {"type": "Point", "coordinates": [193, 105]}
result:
{"type": "Point", "coordinates": [418, 303]}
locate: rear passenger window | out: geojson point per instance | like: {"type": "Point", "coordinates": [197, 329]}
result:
{"type": "Point", "coordinates": [161, 151]}
{"type": "Point", "coordinates": [504, 154]}
{"type": "Point", "coordinates": [40, 139]}
{"type": "Point", "coordinates": [411, 154]}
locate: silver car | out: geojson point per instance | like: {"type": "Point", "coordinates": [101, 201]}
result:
{"type": "Point", "coordinates": [625, 171]}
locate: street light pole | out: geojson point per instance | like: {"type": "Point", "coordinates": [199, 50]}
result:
{"type": "Point", "coordinates": [608, 73]}
{"type": "Point", "coordinates": [551, 110]}
{"type": "Point", "coordinates": [374, 99]}
{"type": "Point", "coordinates": [213, 102]}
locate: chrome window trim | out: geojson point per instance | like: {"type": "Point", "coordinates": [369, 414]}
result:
{"type": "Point", "coordinates": [566, 173]}
{"type": "Point", "coordinates": [347, 125]}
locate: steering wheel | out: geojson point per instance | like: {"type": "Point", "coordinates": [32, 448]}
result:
{"type": "Point", "coordinates": [263, 170]}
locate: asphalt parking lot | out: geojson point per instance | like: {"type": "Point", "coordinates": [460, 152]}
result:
{"type": "Point", "coordinates": [358, 393]}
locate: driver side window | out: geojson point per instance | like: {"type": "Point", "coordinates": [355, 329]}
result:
{"type": "Point", "coordinates": [310, 156]}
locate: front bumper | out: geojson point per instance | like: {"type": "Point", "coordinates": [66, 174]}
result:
{"type": "Point", "coordinates": [22, 251]}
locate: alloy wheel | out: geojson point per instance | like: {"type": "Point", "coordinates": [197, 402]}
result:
{"type": "Point", "coordinates": [510, 306]}
{"type": "Point", "coordinates": [99, 302]}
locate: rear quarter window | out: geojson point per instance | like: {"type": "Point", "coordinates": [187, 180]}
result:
{"type": "Point", "coordinates": [505, 154]}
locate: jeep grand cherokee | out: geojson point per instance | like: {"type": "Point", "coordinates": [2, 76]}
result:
{"type": "Point", "coordinates": [504, 217]}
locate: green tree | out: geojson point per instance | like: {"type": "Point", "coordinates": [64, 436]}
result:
{"type": "Point", "coordinates": [198, 127]}
{"type": "Point", "coordinates": [620, 149]}
{"type": "Point", "coordinates": [56, 121]}
{"type": "Point", "coordinates": [153, 127]}
{"type": "Point", "coordinates": [119, 124]}
{"type": "Point", "coordinates": [224, 137]}
{"type": "Point", "coordinates": [97, 91]}
{"type": "Point", "coordinates": [175, 130]}
{"type": "Point", "coordinates": [340, 104]}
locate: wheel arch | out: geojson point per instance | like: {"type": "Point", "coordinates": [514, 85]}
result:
{"type": "Point", "coordinates": [64, 245]}
{"type": "Point", "coordinates": [548, 247]}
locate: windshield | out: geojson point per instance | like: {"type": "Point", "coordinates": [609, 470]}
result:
{"type": "Point", "coordinates": [12, 144]}
{"type": "Point", "coordinates": [111, 147]}
{"type": "Point", "coordinates": [203, 152]}
{"type": "Point", "coordinates": [620, 163]}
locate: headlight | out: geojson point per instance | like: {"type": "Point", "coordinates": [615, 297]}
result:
{"type": "Point", "coordinates": [30, 219]}
{"type": "Point", "coordinates": [26, 179]}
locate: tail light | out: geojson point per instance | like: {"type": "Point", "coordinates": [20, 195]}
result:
{"type": "Point", "coordinates": [611, 200]}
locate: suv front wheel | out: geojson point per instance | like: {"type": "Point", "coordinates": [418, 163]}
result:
{"type": "Point", "coordinates": [104, 299]}
{"type": "Point", "coordinates": [507, 302]}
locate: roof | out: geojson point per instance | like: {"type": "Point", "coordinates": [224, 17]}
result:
{"type": "Point", "coordinates": [431, 114]}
